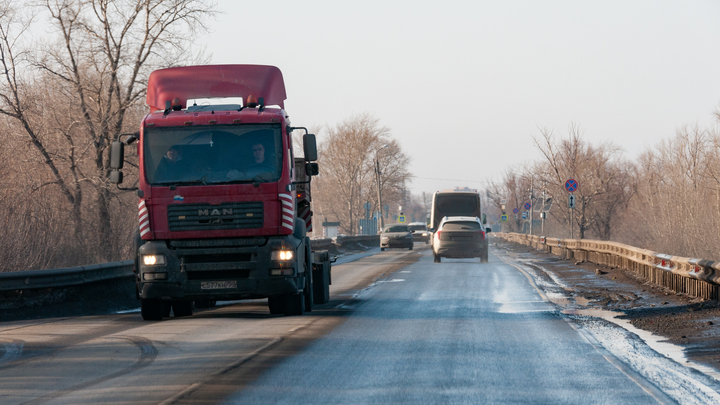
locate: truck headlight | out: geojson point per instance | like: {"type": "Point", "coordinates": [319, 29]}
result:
{"type": "Point", "coordinates": [153, 260]}
{"type": "Point", "coordinates": [424, 234]}
{"type": "Point", "coordinates": [281, 255]}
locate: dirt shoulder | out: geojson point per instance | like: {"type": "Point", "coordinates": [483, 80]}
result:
{"type": "Point", "coordinates": [692, 323]}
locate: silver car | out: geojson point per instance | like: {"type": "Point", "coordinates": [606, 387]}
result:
{"type": "Point", "coordinates": [460, 237]}
{"type": "Point", "coordinates": [396, 236]}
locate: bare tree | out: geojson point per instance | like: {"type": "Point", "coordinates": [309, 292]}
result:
{"type": "Point", "coordinates": [74, 94]}
{"type": "Point", "coordinates": [347, 177]}
{"type": "Point", "coordinates": [599, 170]}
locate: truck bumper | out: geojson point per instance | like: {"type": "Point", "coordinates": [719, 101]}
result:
{"type": "Point", "coordinates": [219, 269]}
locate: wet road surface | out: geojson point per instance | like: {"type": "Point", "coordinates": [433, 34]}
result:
{"type": "Point", "coordinates": [454, 332]}
{"type": "Point", "coordinates": [399, 329]}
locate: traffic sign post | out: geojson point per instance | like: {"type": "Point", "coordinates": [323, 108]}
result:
{"type": "Point", "coordinates": [401, 219]}
{"type": "Point", "coordinates": [503, 218]}
{"type": "Point", "coordinates": [515, 210]}
{"type": "Point", "coordinates": [571, 185]}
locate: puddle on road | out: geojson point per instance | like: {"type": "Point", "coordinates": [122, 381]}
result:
{"type": "Point", "coordinates": [657, 343]}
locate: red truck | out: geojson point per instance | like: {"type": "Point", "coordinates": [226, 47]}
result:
{"type": "Point", "coordinates": [224, 208]}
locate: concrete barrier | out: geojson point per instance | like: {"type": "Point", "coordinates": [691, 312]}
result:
{"type": "Point", "coordinates": [696, 277]}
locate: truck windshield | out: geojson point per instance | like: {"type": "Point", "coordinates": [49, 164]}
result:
{"type": "Point", "coordinates": [220, 154]}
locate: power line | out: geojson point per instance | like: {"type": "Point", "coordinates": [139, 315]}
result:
{"type": "Point", "coordinates": [466, 181]}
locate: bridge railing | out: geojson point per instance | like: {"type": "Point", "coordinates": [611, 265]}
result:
{"type": "Point", "coordinates": [692, 276]}
{"type": "Point", "coordinates": [73, 276]}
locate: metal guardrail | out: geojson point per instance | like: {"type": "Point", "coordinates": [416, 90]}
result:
{"type": "Point", "coordinates": [71, 276]}
{"type": "Point", "coordinates": [696, 277]}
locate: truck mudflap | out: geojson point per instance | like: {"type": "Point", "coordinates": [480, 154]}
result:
{"type": "Point", "coordinates": [322, 277]}
{"type": "Point", "coordinates": [218, 269]}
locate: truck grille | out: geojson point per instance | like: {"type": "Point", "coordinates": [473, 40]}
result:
{"type": "Point", "coordinates": [199, 217]}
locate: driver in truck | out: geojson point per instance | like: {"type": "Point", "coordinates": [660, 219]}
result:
{"type": "Point", "coordinates": [259, 164]}
{"type": "Point", "coordinates": [258, 151]}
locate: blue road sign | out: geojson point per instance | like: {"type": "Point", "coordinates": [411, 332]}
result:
{"type": "Point", "coordinates": [527, 205]}
{"type": "Point", "coordinates": [515, 210]}
{"type": "Point", "coordinates": [571, 185]}
{"type": "Point", "coordinates": [503, 218]}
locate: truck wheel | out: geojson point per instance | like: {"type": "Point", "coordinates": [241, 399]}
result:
{"type": "Point", "coordinates": [436, 258]}
{"type": "Point", "coordinates": [411, 247]}
{"type": "Point", "coordinates": [294, 304]}
{"type": "Point", "coordinates": [167, 306]}
{"type": "Point", "coordinates": [484, 257]}
{"type": "Point", "coordinates": [276, 304]}
{"type": "Point", "coordinates": [308, 292]}
{"type": "Point", "coordinates": [321, 284]}
{"type": "Point", "coordinates": [152, 309]}
{"type": "Point", "coordinates": [382, 249]}
{"type": "Point", "coordinates": [182, 308]}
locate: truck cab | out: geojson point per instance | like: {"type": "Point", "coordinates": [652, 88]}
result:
{"type": "Point", "coordinates": [218, 208]}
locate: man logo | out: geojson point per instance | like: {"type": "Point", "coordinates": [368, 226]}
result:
{"type": "Point", "coordinates": [205, 213]}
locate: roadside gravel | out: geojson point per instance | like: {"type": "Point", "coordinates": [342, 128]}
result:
{"type": "Point", "coordinates": [692, 323]}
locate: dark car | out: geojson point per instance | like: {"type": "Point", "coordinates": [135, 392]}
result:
{"type": "Point", "coordinates": [420, 232]}
{"type": "Point", "coordinates": [396, 236]}
{"type": "Point", "coordinates": [460, 237]}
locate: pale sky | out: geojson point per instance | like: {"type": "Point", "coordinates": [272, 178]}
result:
{"type": "Point", "coordinates": [464, 85]}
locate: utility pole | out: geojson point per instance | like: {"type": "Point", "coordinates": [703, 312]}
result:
{"type": "Point", "coordinates": [531, 206]}
{"type": "Point", "coordinates": [377, 171]}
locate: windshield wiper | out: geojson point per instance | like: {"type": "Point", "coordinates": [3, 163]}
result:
{"type": "Point", "coordinates": [174, 185]}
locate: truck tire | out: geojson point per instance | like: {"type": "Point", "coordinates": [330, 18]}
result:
{"type": "Point", "coordinates": [411, 247]}
{"type": "Point", "coordinates": [382, 249]}
{"type": "Point", "coordinates": [436, 257]}
{"type": "Point", "coordinates": [321, 284]}
{"type": "Point", "coordinates": [182, 308]}
{"type": "Point", "coordinates": [294, 304]}
{"type": "Point", "coordinates": [152, 309]}
{"type": "Point", "coordinates": [484, 257]}
{"type": "Point", "coordinates": [276, 304]}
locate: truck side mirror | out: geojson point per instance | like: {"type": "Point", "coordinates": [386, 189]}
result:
{"type": "Point", "coordinates": [488, 230]}
{"type": "Point", "coordinates": [310, 147]}
{"type": "Point", "coordinates": [116, 177]}
{"type": "Point", "coordinates": [117, 155]}
{"type": "Point", "coordinates": [312, 169]}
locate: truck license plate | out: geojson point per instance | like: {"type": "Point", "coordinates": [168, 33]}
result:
{"type": "Point", "coordinates": [217, 285]}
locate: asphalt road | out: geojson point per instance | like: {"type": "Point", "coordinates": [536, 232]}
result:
{"type": "Point", "coordinates": [399, 329]}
